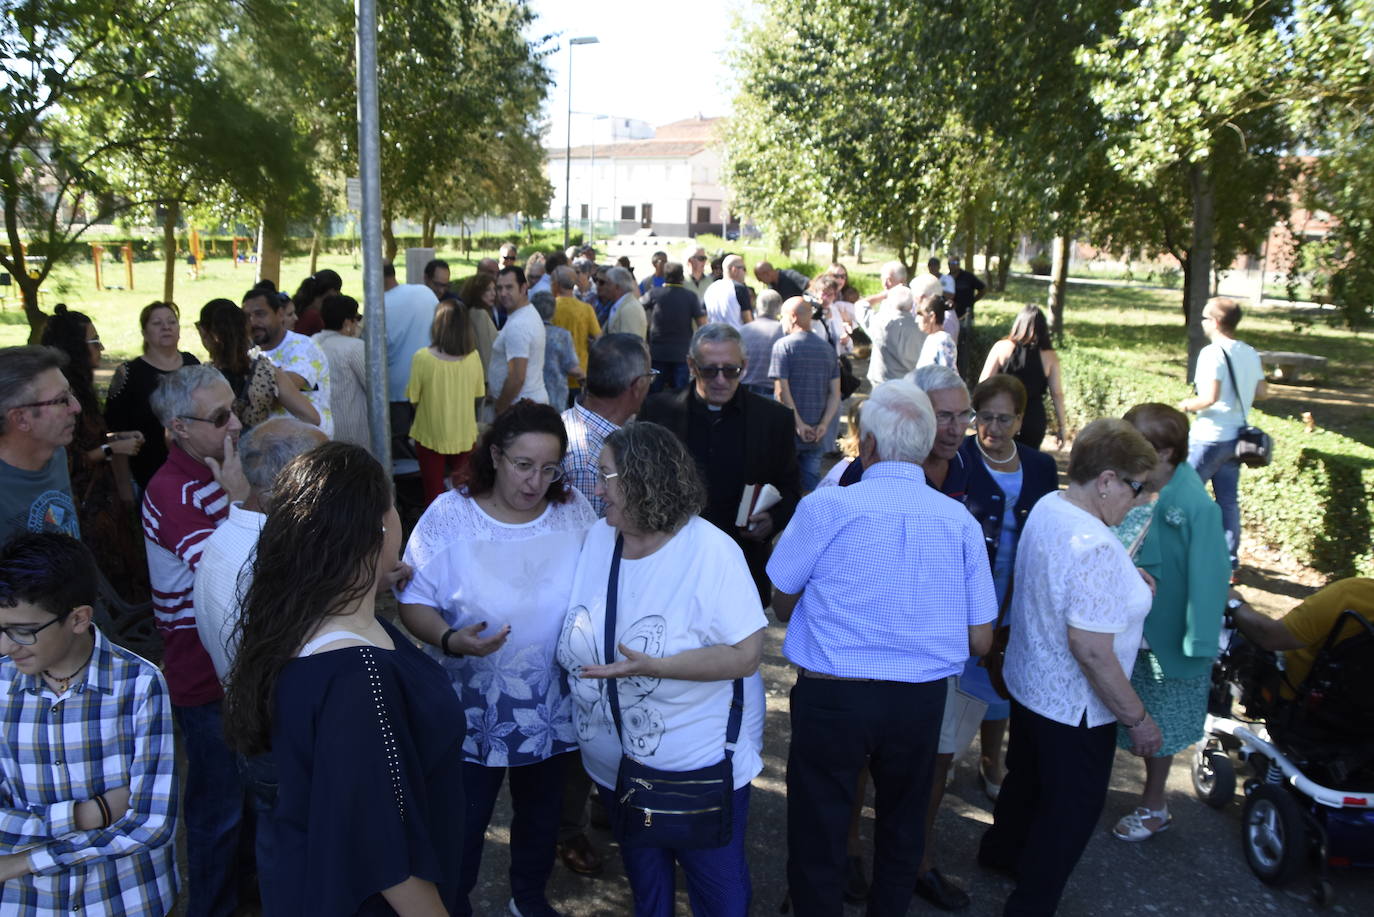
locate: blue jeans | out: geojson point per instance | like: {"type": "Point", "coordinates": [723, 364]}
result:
{"type": "Point", "coordinates": [809, 458]}
{"type": "Point", "coordinates": [762, 388]}
{"type": "Point", "coordinates": [717, 878]}
{"type": "Point", "coordinates": [536, 792]}
{"type": "Point", "coordinates": [670, 375]}
{"type": "Point", "coordinates": [259, 776]}
{"type": "Point", "coordinates": [213, 803]}
{"type": "Point", "coordinates": [1216, 462]}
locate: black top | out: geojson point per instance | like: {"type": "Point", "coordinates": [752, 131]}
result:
{"type": "Point", "coordinates": [789, 283]}
{"type": "Point", "coordinates": [966, 287]}
{"type": "Point", "coordinates": [1026, 365]}
{"type": "Point", "coordinates": [984, 498]}
{"type": "Point", "coordinates": [673, 310]}
{"type": "Point", "coordinates": [369, 753]}
{"type": "Point", "coordinates": [127, 408]}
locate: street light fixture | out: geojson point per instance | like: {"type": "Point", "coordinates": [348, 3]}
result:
{"type": "Point", "coordinates": [567, 149]}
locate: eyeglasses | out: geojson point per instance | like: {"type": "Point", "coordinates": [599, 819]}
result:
{"type": "Point", "coordinates": [987, 419]}
{"type": "Point", "coordinates": [216, 420]}
{"type": "Point", "coordinates": [1135, 486]}
{"type": "Point", "coordinates": [606, 476]}
{"type": "Point", "coordinates": [524, 467]}
{"type": "Point", "coordinates": [64, 399]}
{"type": "Point", "coordinates": [95, 342]}
{"type": "Point", "coordinates": [26, 636]}
{"type": "Point", "coordinates": [651, 374]}
{"type": "Point", "coordinates": [730, 371]}
{"type": "Point", "coordinates": [949, 418]}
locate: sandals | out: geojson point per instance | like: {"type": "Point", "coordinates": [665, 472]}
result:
{"type": "Point", "coordinates": [990, 789]}
{"type": "Point", "coordinates": [1133, 828]}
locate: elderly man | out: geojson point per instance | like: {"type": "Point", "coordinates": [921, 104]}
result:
{"type": "Point", "coordinates": [675, 314]}
{"type": "Point", "coordinates": [759, 336]}
{"type": "Point", "coordinates": [37, 421]}
{"type": "Point", "coordinates": [697, 278]}
{"type": "Point", "coordinates": [875, 637]}
{"type": "Point", "coordinates": [575, 317]}
{"type": "Point", "coordinates": [303, 362]}
{"type": "Point", "coordinates": [509, 255]}
{"type": "Point", "coordinates": [659, 262]}
{"type": "Point", "coordinates": [945, 467]}
{"type": "Point", "coordinates": [626, 315]}
{"type": "Point", "coordinates": [893, 275]}
{"type": "Point", "coordinates": [785, 282]}
{"type": "Point", "coordinates": [728, 299]}
{"type": "Point", "coordinates": [806, 379]}
{"type": "Point", "coordinates": [737, 438]}
{"type": "Point", "coordinates": [897, 338]}
{"type": "Point", "coordinates": [185, 502]}
{"type": "Point", "coordinates": [517, 355]}
{"type": "Point", "coordinates": [488, 266]}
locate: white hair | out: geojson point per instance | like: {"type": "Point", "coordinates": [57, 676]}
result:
{"type": "Point", "coordinates": [901, 421]}
{"type": "Point", "coordinates": [935, 378]}
{"type": "Point", "coordinates": [728, 264]}
{"type": "Point", "coordinates": [894, 271]}
{"type": "Point", "coordinates": [899, 298]}
{"type": "Point", "coordinates": [176, 391]}
{"type": "Point", "coordinates": [622, 279]}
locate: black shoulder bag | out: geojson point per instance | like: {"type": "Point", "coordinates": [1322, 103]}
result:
{"type": "Point", "coordinates": [1253, 445]}
{"type": "Point", "coordinates": [680, 810]}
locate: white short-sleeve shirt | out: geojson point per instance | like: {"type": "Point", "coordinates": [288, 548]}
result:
{"type": "Point", "coordinates": [522, 337]}
{"type": "Point", "coordinates": [694, 591]}
{"type": "Point", "coordinates": [1071, 571]}
{"type": "Point", "coordinates": [1222, 420]}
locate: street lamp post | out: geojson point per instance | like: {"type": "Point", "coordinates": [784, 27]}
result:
{"type": "Point", "coordinates": [567, 149]}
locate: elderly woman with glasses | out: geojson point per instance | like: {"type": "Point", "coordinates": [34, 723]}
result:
{"type": "Point", "coordinates": [1078, 612]}
{"type": "Point", "coordinates": [494, 563]}
{"type": "Point", "coordinates": [687, 625]}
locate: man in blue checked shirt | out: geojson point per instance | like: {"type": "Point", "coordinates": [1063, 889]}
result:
{"type": "Point", "coordinates": [888, 591]}
{"type": "Point", "coordinates": [88, 790]}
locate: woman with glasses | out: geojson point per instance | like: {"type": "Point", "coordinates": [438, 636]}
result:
{"type": "Point", "coordinates": [1005, 480]}
{"type": "Point", "coordinates": [494, 563]}
{"type": "Point", "coordinates": [1078, 611]}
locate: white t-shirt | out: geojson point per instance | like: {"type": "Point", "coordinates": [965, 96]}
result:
{"type": "Point", "coordinates": [521, 337]}
{"type": "Point", "coordinates": [298, 354]}
{"type": "Point", "coordinates": [1224, 418]}
{"type": "Point", "coordinates": [694, 591]}
{"type": "Point", "coordinates": [721, 303]}
{"type": "Point", "coordinates": [223, 576]}
{"type": "Point", "coordinates": [1071, 571]}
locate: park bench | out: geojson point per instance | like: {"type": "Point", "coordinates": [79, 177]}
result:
{"type": "Point", "coordinates": [1286, 366]}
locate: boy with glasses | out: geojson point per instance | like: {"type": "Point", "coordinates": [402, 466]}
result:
{"type": "Point", "coordinates": [37, 421]}
{"type": "Point", "coordinates": [88, 796]}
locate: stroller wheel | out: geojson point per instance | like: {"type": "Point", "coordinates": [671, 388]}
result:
{"type": "Point", "coordinates": [1323, 893]}
{"type": "Point", "coordinates": [1214, 777]}
{"type": "Point", "coordinates": [1274, 836]}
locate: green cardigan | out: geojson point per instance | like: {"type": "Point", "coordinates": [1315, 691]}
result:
{"type": "Point", "coordinates": [1185, 551]}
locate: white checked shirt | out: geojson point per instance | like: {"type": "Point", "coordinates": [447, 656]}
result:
{"type": "Point", "coordinates": [892, 574]}
{"type": "Point", "coordinates": [587, 432]}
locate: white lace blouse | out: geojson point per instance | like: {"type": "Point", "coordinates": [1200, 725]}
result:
{"type": "Point", "coordinates": [1071, 571]}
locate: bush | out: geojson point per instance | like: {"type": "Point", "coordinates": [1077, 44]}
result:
{"type": "Point", "coordinates": [1313, 501]}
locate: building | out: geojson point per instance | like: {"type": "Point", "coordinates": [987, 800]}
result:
{"type": "Point", "coordinates": [669, 183]}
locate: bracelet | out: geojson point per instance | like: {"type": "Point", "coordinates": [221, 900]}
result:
{"type": "Point", "coordinates": [1138, 723]}
{"type": "Point", "coordinates": [443, 643]}
{"type": "Point", "coordinates": [104, 808]}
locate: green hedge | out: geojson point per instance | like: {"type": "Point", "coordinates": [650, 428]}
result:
{"type": "Point", "coordinates": [1315, 501]}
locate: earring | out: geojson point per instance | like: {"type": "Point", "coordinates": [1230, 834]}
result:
{"type": "Point", "coordinates": [1102, 494]}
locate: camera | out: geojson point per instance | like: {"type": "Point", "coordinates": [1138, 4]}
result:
{"type": "Point", "coordinates": [817, 307]}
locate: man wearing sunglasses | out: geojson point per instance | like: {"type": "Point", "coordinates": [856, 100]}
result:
{"type": "Point", "coordinates": [737, 438]}
{"type": "Point", "coordinates": [37, 419]}
{"type": "Point", "coordinates": [185, 502]}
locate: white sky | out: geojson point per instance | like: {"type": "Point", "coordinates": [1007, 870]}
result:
{"type": "Point", "coordinates": [657, 60]}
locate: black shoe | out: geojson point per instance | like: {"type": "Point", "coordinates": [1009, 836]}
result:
{"type": "Point", "coordinates": [941, 892]}
{"type": "Point", "coordinates": [855, 882]}
{"type": "Point", "coordinates": [997, 866]}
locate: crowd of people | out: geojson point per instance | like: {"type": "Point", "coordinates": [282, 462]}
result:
{"type": "Point", "coordinates": [582, 603]}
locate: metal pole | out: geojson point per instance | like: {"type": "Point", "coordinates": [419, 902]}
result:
{"type": "Point", "coordinates": [567, 154]}
{"type": "Point", "coordinates": [370, 171]}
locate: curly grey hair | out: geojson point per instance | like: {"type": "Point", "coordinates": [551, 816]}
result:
{"type": "Point", "coordinates": [658, 477]}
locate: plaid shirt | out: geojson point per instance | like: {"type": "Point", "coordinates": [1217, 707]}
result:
{"type": "Point", "coordinates": [112, 729]}
{"type": "Point", "coordinates": [587, 432]}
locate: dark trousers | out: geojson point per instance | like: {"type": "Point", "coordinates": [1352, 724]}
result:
{"type": "Point", "coordinates": [1051, 799]}
{"type": "Point", "coordinates": [577, 787]}
{"type": "Point", "coordinates": [536, 792]}
{"type": "Point", "coordinates": [213, 803]}
{"type": "Point", "coordinates": [402, 415]}
{"type": "Point", "coordinates": [670, 375]}
{"type": "Point", "coordinates": [837, 728]}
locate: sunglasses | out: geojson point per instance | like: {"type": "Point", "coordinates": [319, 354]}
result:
{"type": "Point", "coordinates": [1135, 486]}
{"type": "Point", "coordinates": [216, 420]}
{"type": "Point", "coordinates": [729, 371]}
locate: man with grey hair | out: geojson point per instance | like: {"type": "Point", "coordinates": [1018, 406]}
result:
{"type": "Point", "coordinates": [186, 500]}
{"type": "Point", "coordinates": [897, 338]}
{"type": "Point", "coordinates": [560, 358]}
{"type": "Point", "coordinates": [697, 278]}
{"type": "Point", "coordinates": [37, 421]}
{"type": "Point", "coordinates": [737, 438]}
{"type": "Point", "coordinates": [627, 315]}
{"type": "Point", "coordinates": [728, 300]}
{"type": "Point", "coordinates": [577, 318]}
{"type": "Point", "coordinates": [876, 635]}
{"type": "Point", "coordinates": [759, 337]}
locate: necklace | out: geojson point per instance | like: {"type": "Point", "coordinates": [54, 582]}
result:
{"type": "Point", "coordinates": [65, 680]}
{"type": "Point", "coordinates": [995, 461]}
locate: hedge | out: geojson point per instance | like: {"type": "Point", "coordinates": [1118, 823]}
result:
{"type": "Point", "coordinates": [1314, 501]}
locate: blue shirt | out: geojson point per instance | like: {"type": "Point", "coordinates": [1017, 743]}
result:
{"type": "Point", "coordinates": [409, 314]}
{"type": "Point", "coordinates": [808, 364]}
{"type": "Point", "coordinates": [892, 574]}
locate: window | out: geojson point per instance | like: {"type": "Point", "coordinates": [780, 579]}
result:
{"type": "Point", "coordinates": [703, 214]}
{"type": "Point", "coordinates": [627, 212]}
{"type": "Point", "coordinates": [646, 215]}
{"type": "Point", "coordinates": [584, 212]}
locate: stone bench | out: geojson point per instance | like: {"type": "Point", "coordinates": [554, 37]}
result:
{"type": "Point", "coordinates": [1286, 366]}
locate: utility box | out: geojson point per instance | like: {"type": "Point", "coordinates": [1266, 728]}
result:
{"type": "Point", "coordinates": [416, 259]}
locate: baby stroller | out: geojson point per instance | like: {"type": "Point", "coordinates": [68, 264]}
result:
{"type": "Point", "coordinates": [1309, 750]}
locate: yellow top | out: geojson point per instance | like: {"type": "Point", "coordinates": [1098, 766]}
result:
{"type": "Point", "coordinates": [445, 394]}
{"type": "Point", "coordinates": [1312, 621]}
{"type": "Point", "coordinates": [580, 321]}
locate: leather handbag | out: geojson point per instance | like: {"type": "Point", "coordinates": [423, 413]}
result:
{"type": "Point", "coordinates": [1254, 447]}
{"type": "Point", "coordinates": [679, 810]}
{"type": "Point", "coordinates": [996, 657]}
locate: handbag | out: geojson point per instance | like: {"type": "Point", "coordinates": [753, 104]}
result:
{"type": "Point", "coordinates": [1254, 447]}
{"type": "Point", "coordinates": [995, 659]}
{"type": "Point", "coordinates": [680, 810]}
{"type": "Point", "coordinates": [849, 383]}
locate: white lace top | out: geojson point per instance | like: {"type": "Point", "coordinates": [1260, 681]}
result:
{"type": "Point", "coordinates": [473, 568]}
{"type": "Point", "coordinates": [1071, 571]}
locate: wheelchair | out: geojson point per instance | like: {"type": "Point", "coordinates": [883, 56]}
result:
{"type": "Point", "coordinates": [1308, 750]}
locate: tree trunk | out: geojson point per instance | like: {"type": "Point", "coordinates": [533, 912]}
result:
{"type": "Point", "coordinates": [834, 249]}
{"type": "Point", "coordinates": [988, 245]}
{"type": "Point", "coordinates": [314, 250]}
{"type": "Point", "coordinates": [427, 225]}
{"type": "Point", "coordinates": [273, 239]}
{"type": "Point", "coordinates": [1059, 285]}
{"type": "Point", "coordinates": [970, 236]}
{"type": "Point", "coordinates": [38, 319]}
{"type": "Point", "coordinates": [1004, 261]}
{"type": "Point", "coordinates": [389, 240]}
{"type": "Point", "coordinates": [1200, 256]}
{"type": "Point", "coordinates": [169, 250]}
{"type": "Point", "coordinates": [785, 244]}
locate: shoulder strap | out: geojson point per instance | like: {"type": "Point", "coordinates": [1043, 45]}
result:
{"type": "Point", "coordinates": [736, 719]}
{"type": "Point", "coordinates": [331, 637]}
{"type": "Point", "coordinates": [1235, 388]}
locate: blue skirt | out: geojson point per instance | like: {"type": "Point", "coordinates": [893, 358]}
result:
{"type": "Point", "coordinates": [975, 681]}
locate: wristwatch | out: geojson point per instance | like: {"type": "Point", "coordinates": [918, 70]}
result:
{"type": "Point", "coordinates": [108, 452]}
{"type": "Point", "coordinates": [1233, 604]}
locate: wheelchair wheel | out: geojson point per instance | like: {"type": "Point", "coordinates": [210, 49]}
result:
{"type": "Point", "coordinates": [1214, 777]}
{"type": "Point", "coordinates": [1274, 835]}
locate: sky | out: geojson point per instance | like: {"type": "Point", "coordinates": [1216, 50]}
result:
{"type": "Point", "coordinates": [656, 60]}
